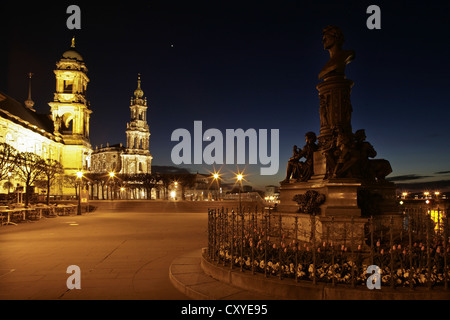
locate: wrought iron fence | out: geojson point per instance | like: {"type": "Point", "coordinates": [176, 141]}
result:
{"type": "Point", "coordinates": [412, 253]}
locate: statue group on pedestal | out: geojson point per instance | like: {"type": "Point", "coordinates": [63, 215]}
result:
{"type": "Point", "coordinates": [347, 156]}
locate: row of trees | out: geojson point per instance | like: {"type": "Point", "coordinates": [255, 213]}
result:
{"type": "Point", "coordinates": [33, 171]}
{"type": "Point", "coordinates": [29, 168]}
{"type": "Point", "coordinates": [132, 182]}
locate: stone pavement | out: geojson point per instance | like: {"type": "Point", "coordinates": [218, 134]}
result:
{"type": "Point", "coordinates": [123, 252]}
{"type": "Point", "coordinates": [126, 250]}
{"type": "Point", "coordinates": [187, 276]}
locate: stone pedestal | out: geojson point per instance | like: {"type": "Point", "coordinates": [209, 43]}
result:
{"type": "Point", "coordinates": [335, 107]}
{"type": "Point", "coordinates": [341, 196]}
{"type": "Point", "coordinates": [344, 197]}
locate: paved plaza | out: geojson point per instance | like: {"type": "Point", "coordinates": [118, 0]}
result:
{"type": "Point", "coordinates": [124, 251]}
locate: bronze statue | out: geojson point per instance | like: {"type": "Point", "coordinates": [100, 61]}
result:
{"type": "Point", "coordinates": [366, 151]}
{"type": "Point", "coordinates": [293, 165]}
{"type": "Point", "coordinates": [302, 171]}
{"type": "Point", "coordinates": [372, 170]}
{"type": "Point", "coordinates": [333, 40]}
{"type": "Point", "coordinates": [347, 157]}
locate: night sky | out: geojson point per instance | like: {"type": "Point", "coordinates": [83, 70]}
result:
{"type": "Point", "coordinates": [246, 64]}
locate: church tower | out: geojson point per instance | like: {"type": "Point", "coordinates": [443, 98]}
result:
{"type": "Point", "coordinates": [138, 133]}
{"type": "Point", "coordinates": [70, 109]}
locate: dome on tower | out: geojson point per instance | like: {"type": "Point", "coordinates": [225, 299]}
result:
{"type": "Point", "coordinates": [72, 53]}
{"type": "Point", "coordinates": [138, 93]}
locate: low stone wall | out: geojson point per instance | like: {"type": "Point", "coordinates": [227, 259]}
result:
{"type": "Point", "coordinates": [289, 289]}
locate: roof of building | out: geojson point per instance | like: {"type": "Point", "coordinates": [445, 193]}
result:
{"type": "Point", "coordinates": [17, 112]}
{"type": "Point", "coordinates": [72, 54]}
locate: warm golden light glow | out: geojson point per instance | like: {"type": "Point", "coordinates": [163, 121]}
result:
{"type": "Point", "coordinates": [239, 177]}
{"type": "Point", "coordinates": [79, 174]}
{"type": "Point", "coordinates": [112, 174]}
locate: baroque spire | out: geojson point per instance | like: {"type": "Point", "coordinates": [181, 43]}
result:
{"type": "Point", "coordinates": [138, 93]}
{"type": "Point", "coordinates": [29, 103]}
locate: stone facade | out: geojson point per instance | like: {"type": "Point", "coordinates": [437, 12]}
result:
{"type": "Point", "coordinates": [64, 134]}
{"type": "Point", "coordinates": [135, 158]}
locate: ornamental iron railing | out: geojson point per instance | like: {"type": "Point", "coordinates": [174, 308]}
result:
{"type": "Point", "coordinates": [411, 249]}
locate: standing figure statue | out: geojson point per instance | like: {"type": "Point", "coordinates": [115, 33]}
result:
{"type": "Point", "coordinates": [298, 170]}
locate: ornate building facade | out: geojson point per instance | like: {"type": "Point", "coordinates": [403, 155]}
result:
{"type": "Point", "coordinates": [135, 158]}
{"type": "Point", "coordinates": [62, 135]}
{"type": "Point", "coordinates": [70, 110]}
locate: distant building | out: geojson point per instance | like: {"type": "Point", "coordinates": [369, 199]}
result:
{"type": "Point", "coordinates": [204, 187]}
{"type": "Point", "coordinates": [272, 194]}
{"type": "Point", "coordinates": [135, 158]}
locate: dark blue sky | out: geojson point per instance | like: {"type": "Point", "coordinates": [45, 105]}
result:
{"type": "Point", "coordinates": [246, 64]}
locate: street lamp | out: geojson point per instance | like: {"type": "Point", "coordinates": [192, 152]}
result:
{"type": "Point", "coordinates": [239, 178]}
{"type": "Point", "coordinates": [80, 177]}
{"type": "Point", "coordinates": [112, 175]}
{"type": "Point", "coordinates": [216, 177]}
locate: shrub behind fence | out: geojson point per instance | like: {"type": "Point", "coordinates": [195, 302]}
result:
{"type": "Point", "coordinates": [269, 243]}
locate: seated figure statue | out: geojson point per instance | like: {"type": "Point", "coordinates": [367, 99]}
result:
{"type": "Point", "coordinates": [347, 157]}
{"type": "Point", "coordinates": [371, 169]}
{"type": "Point", "coordinates": [298, 170]}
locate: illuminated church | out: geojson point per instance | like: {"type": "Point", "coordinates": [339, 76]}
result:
{"type": "Point", "coordinates": [63, 135]}
{"type": "Point", "coordinates": [135, 158]}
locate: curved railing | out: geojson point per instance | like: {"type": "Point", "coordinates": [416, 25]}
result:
{"type": "Point", "coordinates": [412, 253]}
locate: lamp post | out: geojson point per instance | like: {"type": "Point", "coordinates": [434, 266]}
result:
{"type": "Point", "coordinates": [239, 178]}
{"type": "Point", "coordinates": [80, 177]}
{"type": "Point", "coordinates": [112, 175]}
{"type": "Point", "coordinates": [216, 177]}
{"type": "Point", "coordinates": [176, 190]}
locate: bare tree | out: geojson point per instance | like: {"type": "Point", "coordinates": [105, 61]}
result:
{"type": "Point", "coordinates": [50, 169]}
{"type": "Point", "coordinates": [70, 181]}
{"type": "Point", "coordinates": [29, 167]}
{"type": "Point", "coordinates": [8, 157]}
